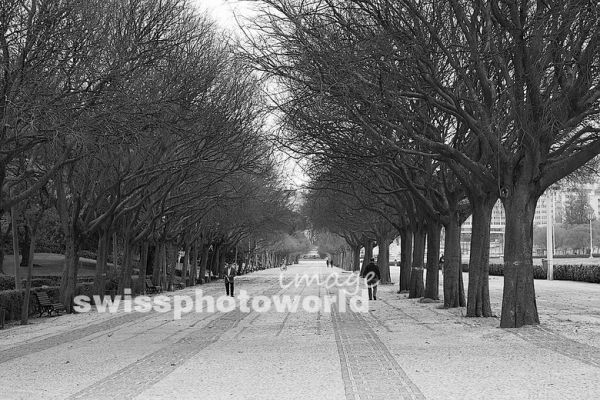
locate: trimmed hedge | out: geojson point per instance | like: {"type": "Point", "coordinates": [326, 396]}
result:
{"type": "Point", "coordinates": [87, 254]}
{"type": "Point", "coordinates": [567, 272]}
{"type": "Point", "coordinates": [7, 282]}
{"type": "Point", "coordinates": [11, 301]}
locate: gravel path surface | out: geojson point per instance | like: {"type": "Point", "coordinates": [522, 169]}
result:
{"type": "Point", "coordinates": [400, 348]}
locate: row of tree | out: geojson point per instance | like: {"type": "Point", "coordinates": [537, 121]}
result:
{"type": "Point", "coordinates": [423, 112]}
{"type": "Point", "coordinates": [136, 119]}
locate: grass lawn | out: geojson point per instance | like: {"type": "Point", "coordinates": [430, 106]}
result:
{"type": "Point", "coordinates": [48, 264]}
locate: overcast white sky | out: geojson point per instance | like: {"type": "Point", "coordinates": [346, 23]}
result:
{"type": "Point", "coordinates": [225, 13]}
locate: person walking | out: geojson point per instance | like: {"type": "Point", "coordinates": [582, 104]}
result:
{"type": "Point", "coordinates": [372, 275]}
{"type": "Point", "coordinates": [230, 273]}
{"type": "Point", "coordinates": [327, 262]}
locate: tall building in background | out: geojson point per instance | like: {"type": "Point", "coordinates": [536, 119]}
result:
{"type": "Point", "coordinates": [562, 198]}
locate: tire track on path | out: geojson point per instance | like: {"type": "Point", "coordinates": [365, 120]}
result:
{"type": "Point", "coordinates": [109, 325]}
{"type": "Point", "coordinates": [369, 370]}
{"type": "Point", "coordinates": [28, 348]}
{"type": "Point", "coordinates": [547, 339]}
{"type": "Point", "coordinates": [137, 377]}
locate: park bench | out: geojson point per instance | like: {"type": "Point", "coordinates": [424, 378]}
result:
{"type": "Point", "coordinates": [152, 288]}
{"type": "Point", "coordinates": [178, 284]}
{"type": "Point", "coordinates": [45, 305]}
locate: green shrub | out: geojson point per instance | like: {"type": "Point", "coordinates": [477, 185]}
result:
{"type": "Point", "coordinates": [111, 284]}
{"type": "Point", "coordinates": [49, 246]}
{"type": "Point", "coordinates": [12, 300]}
{"type": "Point", "coordinates": [87, 254]}
{"type": "Point", "coordinates": [566, 272]}
{"type": "Point", "coordinates": [580, 273]}
{"type": "Point", "coordinates": [86, 289]}
{"type": "Point", "coordinates": [39, 282]}
{"type": "Point", "coordinates": [7, 282]}
{"type": "Point", "coordinates": [496, 269]}
{"type": "Point", "coordinates": [539, 272]}
{"type": "Point", "coordinates": [53, 280]}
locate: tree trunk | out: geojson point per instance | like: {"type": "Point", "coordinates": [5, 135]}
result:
{"type": "Point", "coordinates": [172, 258]}
{"type": "Point", "coordinates": [518, 301]}
{"type": "Point", "coordinates": [3, 237]}
{"type": "Point", "coordinates": [215, 261]}
{"type": "Point", "coordinates": [127, 267]}
{"type": "Point", "coordinates": [185, 271]}
{"type": "Point", "coordinates": [115, 248]}
{"type": "Point", "coordinates": [26, 297]}
{"type": "Point", "coordinates": [433, 254]}
{"type": "Point", "coordinates": [417, 288]}
{"type": "Point", "coordinates": [248, 261]}
{"type": "Point", "coordinates": [346, 257]}
{"type": "Point", "coordinates": [194, 265]}
{"type": "Point", "coordinates": [163, 267]}
{"type": "Point", "coordinates": [150, 258]}
{"type": "Point", "coordinates": [221, 262]}
{"type": "Point", "coordinates": [2, 256]}
{"type": "Point", "coordinates": [368, 254]}
{"type": "Point", "coordinates": [141, 283]}
{"type": "Point", "coordinates": [406, 249]}
{"type": "Point", "coordinates": [15, 241]}
{"type": "Point", "coordinates": [453, 284]}
{"type": "Point", "coordinates": [478, 299]}
{"type": "Point", "coordinates": [101, 255]}
{"type": "Point", "coordinates": [356, 258]}
{"type": "Point", "coordinates": [204, 263]}
{"type": "Point", "coordinates": [25, 245]}
{"type": "Point", "coordinates": [157, 267]}
{"type": "Point", "coordinates": [383, 260]}
{"type": "Point", "coordinates": [70, 269]}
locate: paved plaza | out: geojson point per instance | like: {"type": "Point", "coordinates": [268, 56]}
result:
{"type": "Point", "coordinates": [399, 349]}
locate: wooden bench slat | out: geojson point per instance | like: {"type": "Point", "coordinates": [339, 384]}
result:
{"type": "Point", "coordinates": [152, 287]}
{"type": "Point", "coordinates": [46, 305]}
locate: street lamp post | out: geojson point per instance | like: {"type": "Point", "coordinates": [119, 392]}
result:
{"type": "Point", "coordinates": [549, 235]}
{"type": "Point", "coordinates": [591, 218]}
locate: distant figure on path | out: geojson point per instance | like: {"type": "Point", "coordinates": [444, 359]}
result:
{"type": "Point", "coordinates": [327, 262]}
{"type": "Point", "coordinates": [441, 264]}
{"type": "Point", "coordinates": [230, 273]}
{"type": "Point", "coordinates": [373, 276]}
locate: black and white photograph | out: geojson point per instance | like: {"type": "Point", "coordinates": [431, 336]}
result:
{"type": "Point", "coordinates": [300, 199]}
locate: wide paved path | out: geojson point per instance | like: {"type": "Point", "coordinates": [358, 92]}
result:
{"type": "Point", "coordinates": [398, 349]}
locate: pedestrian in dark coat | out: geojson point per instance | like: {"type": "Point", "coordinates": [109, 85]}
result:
{"type": "Point", "coordinates": [372, 275]}
{"type": "Point", "coordinates": [228, 275]}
